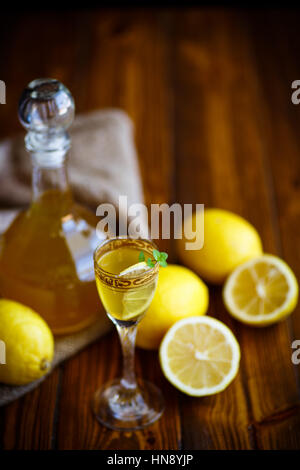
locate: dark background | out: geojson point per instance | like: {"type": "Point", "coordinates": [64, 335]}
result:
{"type": "Point", "coordinates": [209, 91]}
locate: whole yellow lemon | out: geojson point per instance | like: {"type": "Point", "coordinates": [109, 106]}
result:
{"type": "Point", "coordinates": [28, 344]}
{"type": "Point", "coordinates": [229, 240]}
{"type": "Point", "coordinates": [180, 293]}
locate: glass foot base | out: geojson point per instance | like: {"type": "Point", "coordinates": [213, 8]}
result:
{"type": "Point", "coordinates": [123, 409]}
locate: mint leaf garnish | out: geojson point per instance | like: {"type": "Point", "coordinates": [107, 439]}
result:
{"type": "Point", "coordinates": [161, 257]}
{"type": "Point", "coordinates": [150, 263]}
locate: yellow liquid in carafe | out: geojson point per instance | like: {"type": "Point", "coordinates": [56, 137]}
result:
{"type": "Point", "coordinates": [46, 262]}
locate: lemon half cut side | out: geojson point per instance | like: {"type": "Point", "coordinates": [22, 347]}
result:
{"type": "Point", "coordinates": [261, 291]}
{"type": "Point", "coordinates": [200, 356]}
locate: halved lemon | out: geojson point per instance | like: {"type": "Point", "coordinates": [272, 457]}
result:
{"type": "Point", "coordinates": [261, 291]}
{"type": "Point", "coordinates": [199, 355]}
{"type": "Point", "coordinates": [136, 301]}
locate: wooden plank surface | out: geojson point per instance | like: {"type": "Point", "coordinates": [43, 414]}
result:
{"type": "Point", "coordinates": [209, 93]}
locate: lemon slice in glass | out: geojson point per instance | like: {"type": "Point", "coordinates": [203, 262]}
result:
{"type": "Point", "coordinates": [199, 355]}
{"type": "Point", "coordinates": [135, 270]}
{"type": "Point", "coordinates": [261, 291]}
{"type": "Point", "coordinates": [137, 300]}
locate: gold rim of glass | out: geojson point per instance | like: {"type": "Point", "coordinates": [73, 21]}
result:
{"type": "Point", "coordinates": [143, 242]}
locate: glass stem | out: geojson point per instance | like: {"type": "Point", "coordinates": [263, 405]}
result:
{"type": "Point", "coordinates": [127, 338]}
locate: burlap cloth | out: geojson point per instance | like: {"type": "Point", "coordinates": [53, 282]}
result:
{"type": "Point", "coordinates": [102, 165]}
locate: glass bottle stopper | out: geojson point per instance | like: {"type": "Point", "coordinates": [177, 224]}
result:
{"type": "Point", "coordinates": [46, 110]}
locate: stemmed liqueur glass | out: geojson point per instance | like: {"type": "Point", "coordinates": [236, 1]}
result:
{"type": "Point", "coordinates": [126, 287]}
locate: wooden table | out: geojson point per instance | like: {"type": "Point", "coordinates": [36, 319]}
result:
{"type": "Point", "coordinates": [210, 94]}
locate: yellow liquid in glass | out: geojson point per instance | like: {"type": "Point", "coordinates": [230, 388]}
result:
{"type": "Point", "coordinates": [122, 303]}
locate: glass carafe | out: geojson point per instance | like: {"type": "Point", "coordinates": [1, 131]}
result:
{"type": "Point", "coordinates": [46, 255]}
